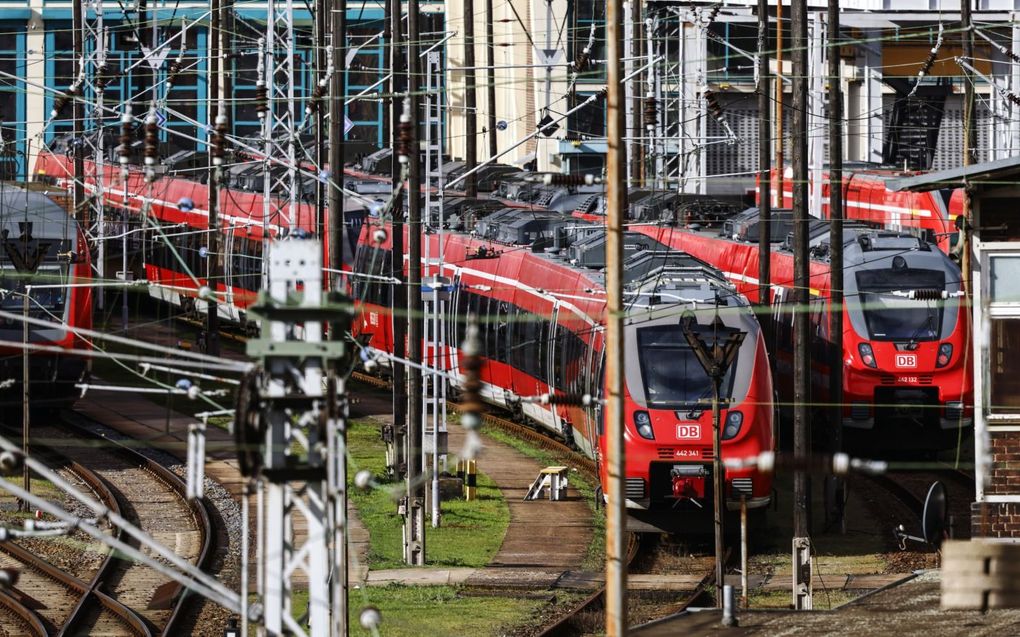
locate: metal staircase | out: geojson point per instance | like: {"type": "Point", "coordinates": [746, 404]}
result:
{"type": "Point", "coordinates": [913, 132]}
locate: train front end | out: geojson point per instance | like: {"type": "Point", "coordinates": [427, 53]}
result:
{"type": "Point", "coordinates": [44, 260]}
{"type": "Point", "coordinates": [668, 407]}
{"type": "Point", "coordinates": [907, 373]}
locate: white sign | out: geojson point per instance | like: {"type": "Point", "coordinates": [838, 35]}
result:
{"type": "Point", "coordinates": [690, 431]}
{"type": "Point", "coordinates": [906, 360]}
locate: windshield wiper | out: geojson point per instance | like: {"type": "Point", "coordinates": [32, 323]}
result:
{"type": "Point", "coordinates": [929, 324]}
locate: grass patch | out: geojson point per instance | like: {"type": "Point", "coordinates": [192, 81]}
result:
{"type": "Point", "coordinates": [594, 560]}
{"type": "Point", "coordinates": [407, 611]}
{"type": "Point", "coordinates": [823, 599]}
{"type": "Point", "coordinates": [470, 532]}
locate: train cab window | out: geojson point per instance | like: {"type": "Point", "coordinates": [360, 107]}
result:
{"type": "Point", "coordinates": [670, 372]}
{"type": "Point", "coordinates": [889, 315]}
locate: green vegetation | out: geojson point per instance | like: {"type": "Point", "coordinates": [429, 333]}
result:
{"type": "Point", "coordinates": [470, 533]}
{"type": "Point", "coordinates": [408, 610]}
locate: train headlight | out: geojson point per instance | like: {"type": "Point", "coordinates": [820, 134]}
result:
{"type": "Point", "coordinates": [867, 355]}
{"type": "Point", "coordinates": [734, 420]}
{"type": "Point", "coordinates": [643, 424]}
{"type": "Point", "coordinates": [945, 355]}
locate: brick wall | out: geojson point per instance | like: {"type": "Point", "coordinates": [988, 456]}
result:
{"type": "Point", "coordinates": [995, 519]}
{"type": "Point", "coordinates": [1002, 520]}
{"type": "Point", "coordinates": [1005, 476]}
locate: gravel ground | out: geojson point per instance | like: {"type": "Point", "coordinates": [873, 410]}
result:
{"type": "Point", "coordinates": [75, 553]}
{"type": "Point", "coordinates": [205, 617]}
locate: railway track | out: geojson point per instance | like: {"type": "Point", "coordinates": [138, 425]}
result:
{"type": "Point", "coordinates": [910, 488]}
{"type": "Point", "coordinates": [122, 597]}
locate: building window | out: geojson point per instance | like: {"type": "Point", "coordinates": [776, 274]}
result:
{"type": "Point", "coordinates": [12, 104]}
{"type": "Point", "coordinates": [1002, 291]}
{"type": "Point", "coordinates": [588, 122]}
{"type": "Point", "coordinates": [1004, 375]}
{"type": "Point", "coordinates": [583, 16]}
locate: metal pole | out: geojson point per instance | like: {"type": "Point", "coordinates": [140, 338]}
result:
{"type": "Point", "coordinates": [321, 26]}
{"type": "Point", "coordinates": [470, 100]}
{"type": "Point", "coordinates": [337, 88]}
{"type": "Point", "coordinates": [26, 474]}
{"type": "Point", "coordinates": [969, 131]}
{"type": "Point", "coordinates": [835, 251]}
{"type": "Point", "coordinates": [718, 490]}
{"type": "Point", "coordinates": [77, 37]}
{"type": "Point", "coordinates": [212, 325]}
{"type": "Point", "coordinates": [616, 207]}
{"type": "Point", "coordinates": [764, 170]}
{"type": "Point", "coordinates": [801, 264]}
{"type": "Point", "coordinates": [490, 80]}
{"type": "Point", "coordinates": [779, 104]}
{"type": "Point", "coordinates": [743, 551]}
{"type": "Point", "coordinates": [399, 314]}
{"type": "Point", "coordinates": [245, 495]}
{"type": "Point", "coordinates": [337, 10]}
{"type": "Point", "coordinates": [415, 521]}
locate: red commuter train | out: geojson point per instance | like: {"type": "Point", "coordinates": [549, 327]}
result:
{"type": "Point", "coordinates": [535, 280]}
{"type": "Point", "coordinates": [930, 215]}
{"type": "Point", "coordinates": [44, 255]}
{"type": "Point", "coordinates": [907, 377]}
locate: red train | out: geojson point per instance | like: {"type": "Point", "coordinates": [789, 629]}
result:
{"type": "Point", "coordinates": [907, 377]}
{"type": "Point", "coordinates": [929, 215]}
{"type": "Point", "coordinates": [535, 281]}
{"type": "Point", "coordinates": [44, 254]}
{"type": "Point", "coordinates": [177, 267]}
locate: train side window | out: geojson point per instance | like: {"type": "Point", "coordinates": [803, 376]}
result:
{"type": "Point", "coordinates": [526, 344]}
{"type": "Point", "coordinates": [503, 332]}
{"type": "Point", "coordinates": [544, 334]}
{"type": "Point", "coordinates": [516, 335]}
{"type": "Point", "coordinates": [559, 361]}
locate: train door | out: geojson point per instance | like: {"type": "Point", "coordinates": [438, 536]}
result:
{"type": "Point", "coordinates": [228, 278]}
{"type": "Point", "coordinates": [549, 346]}
{"type": "Point", "coordinates": [456, 326]}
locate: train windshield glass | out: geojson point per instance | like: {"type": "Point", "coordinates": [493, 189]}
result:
{"type": "Point", "coordinates": [47, 303]}
{"type": "Point", "coordinates": [890, 314]}
{"type": "Point", "coordinates": [670, 371]}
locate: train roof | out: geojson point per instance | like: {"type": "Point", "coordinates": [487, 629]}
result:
{"type": "Point", "coordinates": [48, 219]}
{"type": "Point", "coordinates": [654, 274]}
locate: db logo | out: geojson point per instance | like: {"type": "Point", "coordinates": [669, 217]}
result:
{"type": "Point", "coordinates": [906, 360]}
{"type": "Point", "coordinates": [687, 432]}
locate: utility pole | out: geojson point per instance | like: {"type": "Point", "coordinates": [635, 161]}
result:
{"type": "Point", "coordinates": [77, 111]}
{"type": "Point", "coordinates": [969, 133]}
{"type": "Point", "coordinates": [764, 172]}
{"type": "Point", "coordinates": [337, 57]}
{"type": "Point", "coordinates": [779, 104]}
{"type": "Point", "coordinates": [715, 360]}
{"type": "Point", "coordinates": [470, 100]}
{"type": "Point", "coordinates": [414, 522]}
{"type": "Point", "coordinates": [300, 451]}
{"type": "Point", "coordinates": [216, 60]}
{"type": "Point", "coordinates": [616, 211]}
{"type": "Point", "coordinates": [490, 72]}
{"type": "Point", "coordinates": [801, 316]}
{"type": "Point", "coordinates": [835, 508]}
{"type": "Point", "coordinates": [337, 88]}
{"type": "Point", "coordinates": [321, 26]}
{"type": "Point", "coordinates": [398, 301]}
